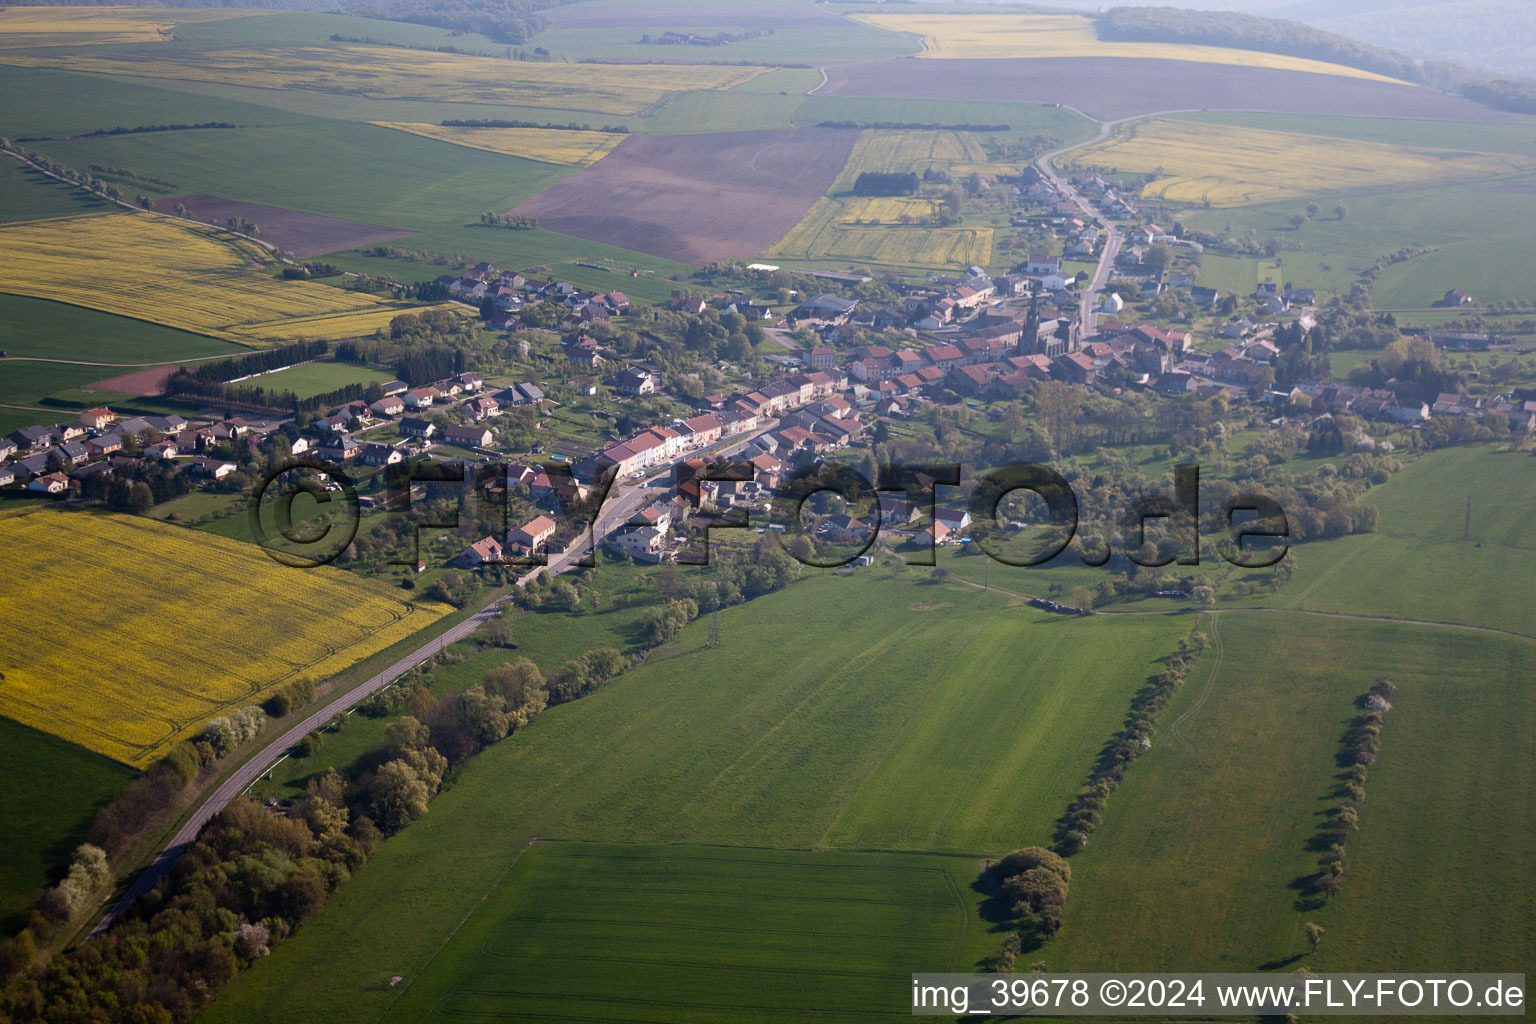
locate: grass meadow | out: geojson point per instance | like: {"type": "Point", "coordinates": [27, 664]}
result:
{"type": "Point", "coordinates": [1194, 864]}
{"type": "Point", "coordinates": [320, 377]}
{"type": "Point", "coordinates": [1420, 565]}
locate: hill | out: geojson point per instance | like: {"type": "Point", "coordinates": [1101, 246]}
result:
{"type": "Point", "coordinates": [1249, 32]}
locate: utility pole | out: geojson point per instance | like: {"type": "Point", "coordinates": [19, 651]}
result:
{"type": "Point", "coordinates": [1466, 526]}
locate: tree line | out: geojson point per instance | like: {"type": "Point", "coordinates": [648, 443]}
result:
{"type": "Point", "coordinates": [915, 126]}
{"type": "Point", "coordinates": [143, 128]}
{"type": "Point", "coordinates": [219, 371]}
{"type": "Point", "coordinates": [885, 183]}
{"type": "Point", "coordinates": [1358, 750]}
{"type": "Point", "coordinates": [612, 129]}
{"type": "Point", "coordinates": [517, 222]}
{"type": "Point", "coordinates": [1134, 738]}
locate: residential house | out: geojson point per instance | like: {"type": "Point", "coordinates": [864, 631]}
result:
{"type": "Point", "coordinates": [95, 419]}
{"type": "Point", "coordinates": [375, 453]}
{"type": "Point", "coordinates": [482, 408]}
{"type": "Point", "coordinates": [50, 483]}
{"type": "Point", "coordinates": [213, 469]}
{"type": "Point", "coordinates": [419, 398]}
{"type": "Point", "coordinates": [634, 381]}
{"type": "Point", "coordinates": [642, 543]}
{"type": "Point", "coordinates": [481, 552]}
{"type": "Point", "coordinates": [34, 438]}
{"type": "Point", "coordinates": [532, 535]}
{"type": "Point", "coordinates": [415, 426]}
{"type": "Point", "coordinates": [468, 436]}
{"type": "Point", "coordinates": [388, 406]}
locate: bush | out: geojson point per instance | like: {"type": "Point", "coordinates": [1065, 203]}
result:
{"type": "Point", "coordinates": [183, 760]}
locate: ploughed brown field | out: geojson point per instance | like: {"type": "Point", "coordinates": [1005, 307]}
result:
{"type": "Point", "coordinates": [697, 198]}
{"type": "Point", "coordinates": [1109, 88]}
{"type": "Point", "coordinates": [302, 234]}
{"type": "Point", "coordinates": [141, 382]}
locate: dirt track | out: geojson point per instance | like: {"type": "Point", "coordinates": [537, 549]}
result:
{"type": "Point", "coordinates": [697, 198]}
{"type": "Point", "coordinates": [1107, 88]}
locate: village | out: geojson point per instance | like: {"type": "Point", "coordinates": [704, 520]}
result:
{"type": "Point", "coordinates": [846, 363]}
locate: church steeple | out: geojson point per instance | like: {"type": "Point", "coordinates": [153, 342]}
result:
{"type": "Point", "coordinates": [1029, 341]}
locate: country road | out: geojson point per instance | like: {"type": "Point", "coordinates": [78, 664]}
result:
{"type": "Point", "coordinates": [623, 502]}
{"type": "Point", "coordinates": [241, 779]}
{"type": "Point", "coordinates": [1114, 237]}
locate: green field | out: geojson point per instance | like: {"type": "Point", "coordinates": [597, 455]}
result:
{"type": "Point", "coordinates": [1192, 869]}
{"type": "Point", "coordinates": [1478, 236]}
{"type": "Point", "coordinates": [52, 330]}
{"type": "Point", "coordinates": [52, 790]}
{"type": "Point", "coordinates": [27, 383]}
{"type": "Point", "coordinates": [27, 194]}
{"type": "Point", "coordinates": [319, 378]}
{"type": "Point", "coordinates": [897, 715]}
{"type": "Point", "coordinates": [702, 934]}
{"type": "Point", "coordinates": [325, 160]}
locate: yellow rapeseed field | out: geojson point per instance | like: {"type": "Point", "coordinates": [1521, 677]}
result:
{"type": "Point", "coordinates": [22, 27]}
{"type": "Point", "coordinates": [829, 231]}
{"type": "Point", "coordinates": [981, 36]}
{"type": "Point", "coordinates": [549, 145]}
{"type": "Point", "coordinates": [181, 274]}
{"type": "Point", "coordinates": [1227, 165]}
{"type": "Point", "coordinates": [125, 635]}
{"type": "Point", "coordinates": [380, 72]}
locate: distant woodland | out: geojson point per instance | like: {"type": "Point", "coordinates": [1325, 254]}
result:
{"type": "Point", "coordinates": [1248, 32]}
{"type": "Point", "coordinates": [1292, 38]}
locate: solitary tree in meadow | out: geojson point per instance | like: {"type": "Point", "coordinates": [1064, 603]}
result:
{"type": "Point", "coordinates": [1313, 933]}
